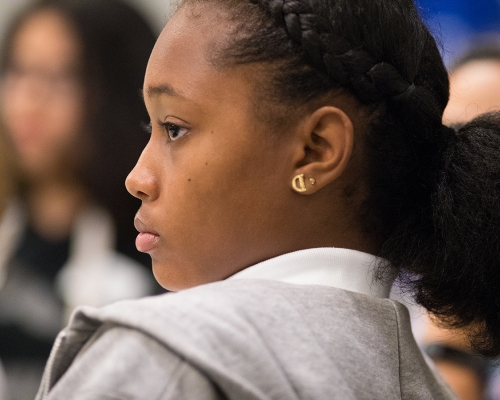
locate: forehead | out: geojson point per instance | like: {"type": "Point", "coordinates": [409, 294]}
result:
{"type": "Point", "coordinates": [46, 38]}
{"type": "Point", "coordinates": [186, 42]}
{"type": "Point", "coordinates": [180, 65]}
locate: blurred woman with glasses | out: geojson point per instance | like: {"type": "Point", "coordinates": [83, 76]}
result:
{"type": "Point", "coordinates": [70, 105]}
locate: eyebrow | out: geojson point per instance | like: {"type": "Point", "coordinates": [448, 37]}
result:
{"type": "Point", "coordinates": [152, 91]}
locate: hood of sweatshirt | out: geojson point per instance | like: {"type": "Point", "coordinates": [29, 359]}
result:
{"type": "Point", "coordinates": [268, 340]}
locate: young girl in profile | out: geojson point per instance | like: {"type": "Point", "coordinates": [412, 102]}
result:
{"type": "Point", "coordinates": [297, 162]}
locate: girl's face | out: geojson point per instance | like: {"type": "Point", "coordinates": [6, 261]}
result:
{"type": "Point", "coordinates": [41, 99]}
{"type": "Point", "coordinates": [213, 180]}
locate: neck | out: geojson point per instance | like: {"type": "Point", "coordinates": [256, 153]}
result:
{"type": "Point", "coordinates": [53, 207]}
{"type": "Point", "coordinates": [329, 220]}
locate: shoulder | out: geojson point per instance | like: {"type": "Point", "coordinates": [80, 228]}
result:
{"type": "Point", "coordinates": [211, 326]}
{"type": "Point", "coordinates": [119, 362]}
{"type": "Point", "coordinates": [247, 300]}
{"type": "Point", "coordinates": [247, 338]}
{"type": "Point", "coordinates": [243, 300]}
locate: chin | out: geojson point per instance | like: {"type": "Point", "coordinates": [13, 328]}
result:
{"type": "Point", "coordinates": [175, 278]}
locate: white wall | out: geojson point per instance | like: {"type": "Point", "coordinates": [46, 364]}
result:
{"type": "Point", "coordinates": [156, 11]}
{"type": "Point", "coordinates": [7, 9]}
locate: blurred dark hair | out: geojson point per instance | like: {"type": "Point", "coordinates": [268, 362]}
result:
{"type": "Point", "coordinates": [116, 43]}
{"type": "Point", "coordinates": [431, 195]}
{"type": "Point", "coordinates": [6, 175]}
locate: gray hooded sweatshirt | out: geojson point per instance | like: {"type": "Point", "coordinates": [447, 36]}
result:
{"type": "Point", "coordinates": [245, 340]}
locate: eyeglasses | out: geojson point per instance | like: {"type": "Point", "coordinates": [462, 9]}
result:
{"type": "Point", "coordinates": [50, 85]}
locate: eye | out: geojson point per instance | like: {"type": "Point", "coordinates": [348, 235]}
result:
{"type": "Point", "coordinates": [174, 131]}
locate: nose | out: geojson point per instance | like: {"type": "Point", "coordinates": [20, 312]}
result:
{"type": "Point", "coordinates": [141, 181]}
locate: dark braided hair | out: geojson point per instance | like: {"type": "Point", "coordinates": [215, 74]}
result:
{"type": "Point", "coordinates": [432, 197]}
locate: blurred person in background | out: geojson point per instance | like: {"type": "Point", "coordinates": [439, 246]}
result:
{"type": "Point", "coordinates": [474, 90]}
{"type": "Point", "coordinates": [474, 84]}
{"type": "Point", "coordinates": [71, 71]}
{"type": "Point", "coordinates": [465, 372]}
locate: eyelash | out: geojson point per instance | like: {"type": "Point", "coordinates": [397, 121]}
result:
{"type": "Point", "coordinates": [166, 126]}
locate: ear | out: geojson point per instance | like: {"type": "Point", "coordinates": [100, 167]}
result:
{"type": "Point", "coordinates": [326, 140]}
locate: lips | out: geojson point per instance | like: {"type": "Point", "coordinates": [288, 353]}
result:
{"type": "Point", "coordinates": [147, 238]}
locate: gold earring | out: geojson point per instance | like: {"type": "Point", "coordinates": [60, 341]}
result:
{"type": "Point", "coordinates": [298, 184]}
{"type": "Point", "coordinates": [312, 181]}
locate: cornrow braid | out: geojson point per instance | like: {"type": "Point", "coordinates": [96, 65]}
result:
{"type": "Point", "coordinates": [371, 81]}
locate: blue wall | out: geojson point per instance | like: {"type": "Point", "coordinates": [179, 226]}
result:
{"type": "Point", "coordinates": [458, 23]}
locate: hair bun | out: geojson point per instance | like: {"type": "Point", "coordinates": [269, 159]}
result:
{"type": "Point", "coordinates": [450, 134]}
{"type": "Point", "coordinates": [467, 228]}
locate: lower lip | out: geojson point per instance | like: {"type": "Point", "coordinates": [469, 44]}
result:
{"type": "Point", "coordinates": [146, 241]}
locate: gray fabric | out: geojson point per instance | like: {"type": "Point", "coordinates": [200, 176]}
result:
{"type": "Point", "coordinates": [3, 384]}
{"type": "Point", "coordinates": [242, 340]}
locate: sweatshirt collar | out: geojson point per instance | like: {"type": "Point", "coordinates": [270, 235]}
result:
{"type": "Point", "coordinates": [341, 268]}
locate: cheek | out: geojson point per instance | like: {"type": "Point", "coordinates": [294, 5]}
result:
{"type": "Point", "coordinates": [49, 139]}
{"type": "Point", "coordinates": [218, 200]}
{"type": "Point", "coordinates": [214, 207]}
{"type": "Point", "coordinates": [51, 122]}
{"type": "Point", "coordinates": [62, 139]}
{"type": "Point", "coordinates": [210, 234]}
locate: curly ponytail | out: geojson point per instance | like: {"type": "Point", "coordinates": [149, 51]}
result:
{"type": "Point", "coordinates": [432, 197]}
{"type": "Point", "coordinates": [457, 268]}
